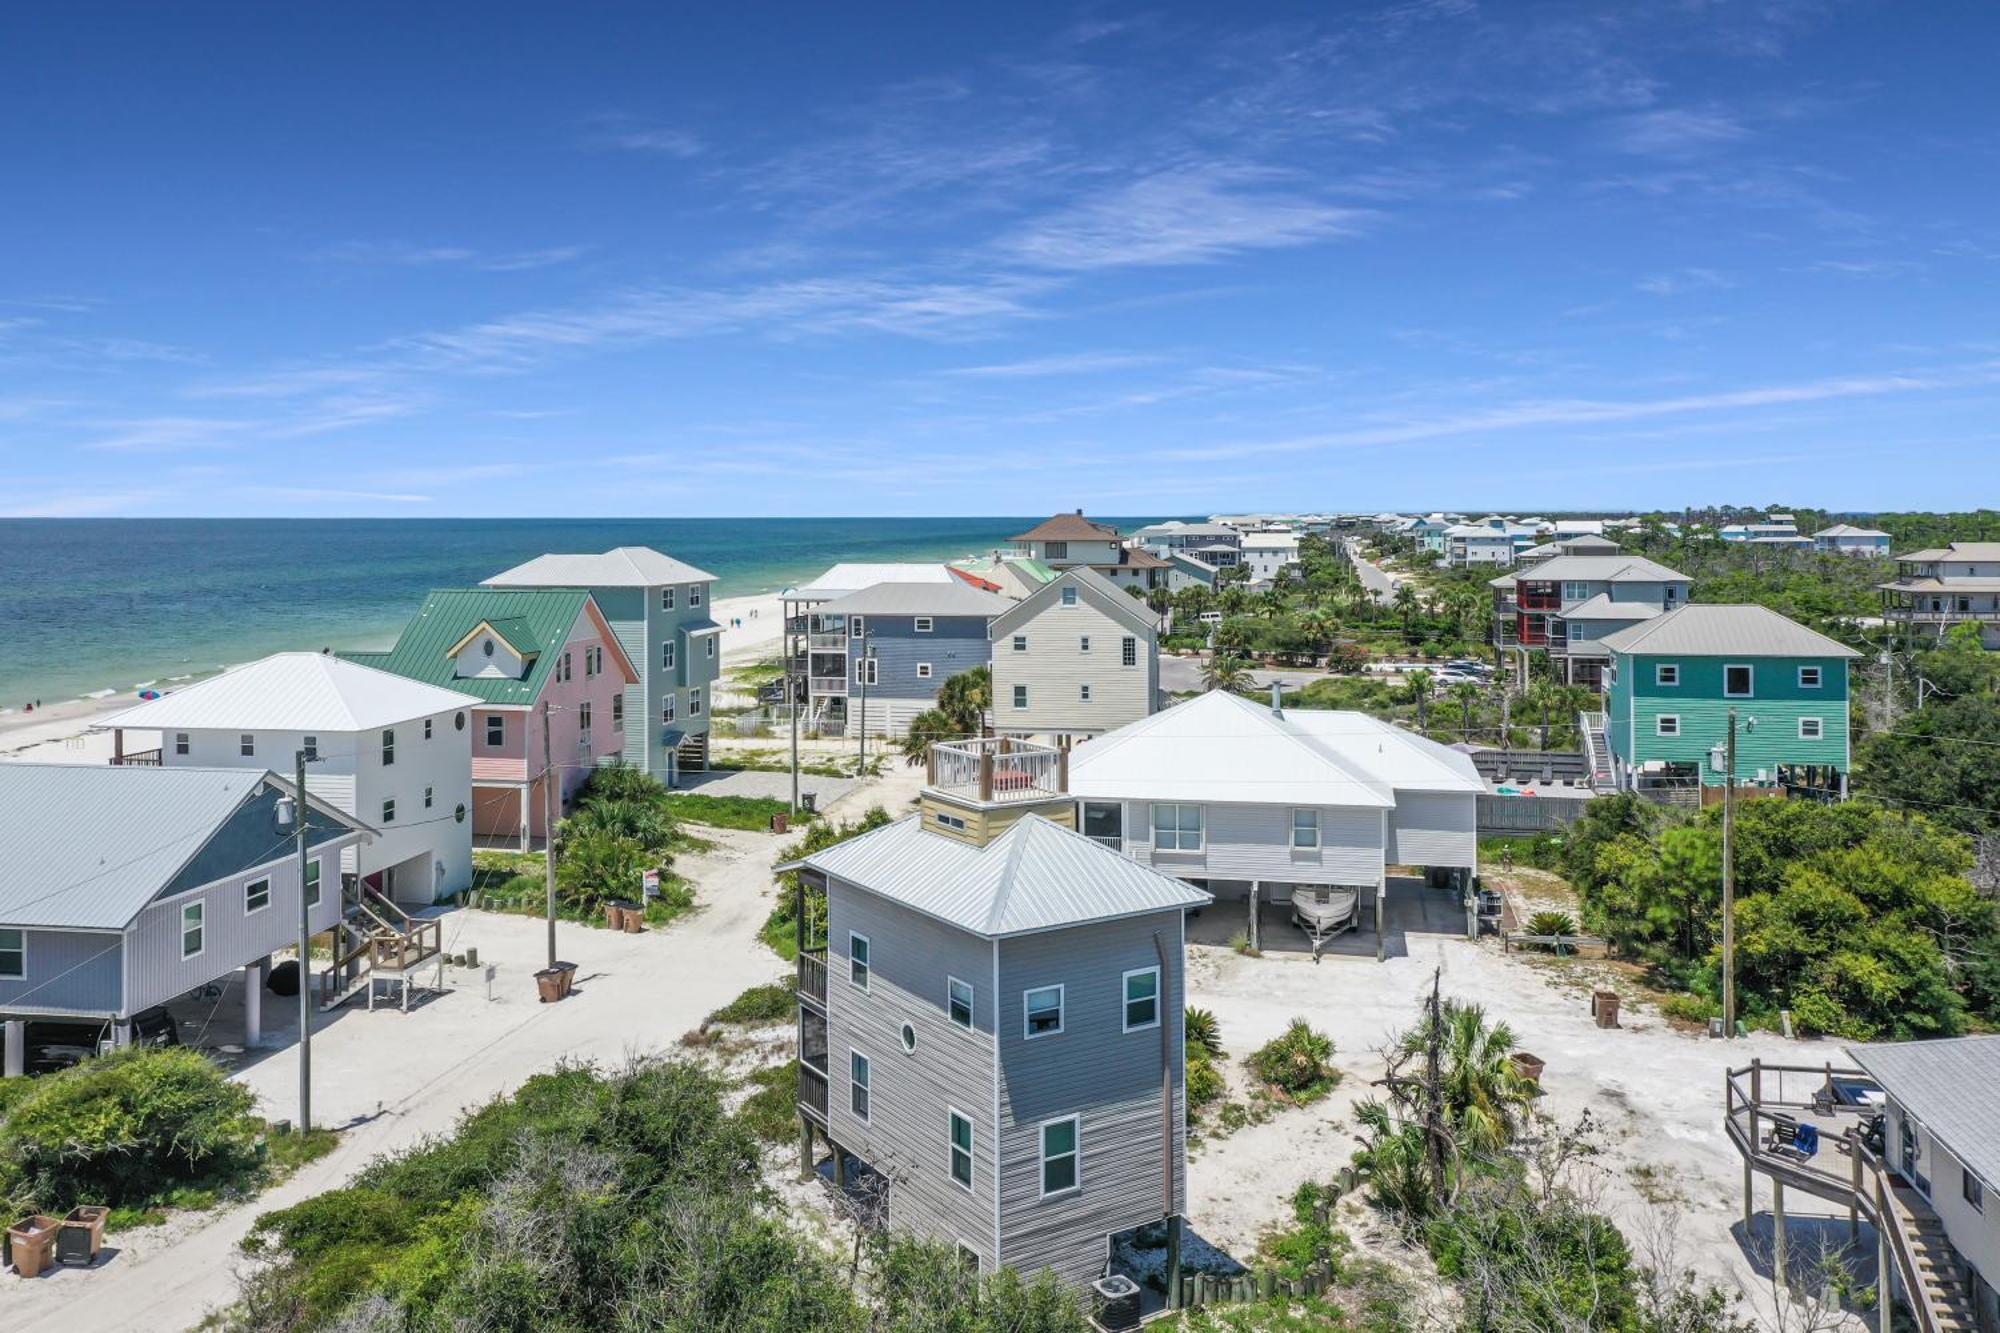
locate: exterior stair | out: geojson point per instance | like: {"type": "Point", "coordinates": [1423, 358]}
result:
{"type": "Point", "coordinates": [1937, 1268]}
{"type": "Point", "coordinates": [1596, 749]}
{"type": "Point", "coordinates": [376, 936]}
{"type": "Point", "coordinates": [692, 757]}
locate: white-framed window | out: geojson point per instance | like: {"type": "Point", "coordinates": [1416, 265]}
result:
{"type": "Point", "coordinates": [1305, 830]}
{"type": "Point", "coordinates": [858, 1074]}
{"type": "Point", "coordinates": [923, 671]}
{"type": "Point", "coordinates": [1575, 592]}
{"type": "Point", "coordinates": [1177, 828]}
{"type": "Point", "coordinates": [1739, 680]}
{"type": "Point", "coordinates": [1059, 1155]}
{"type": "Point", "coordinates": [667, 655]}
{"type": "Point", "coordinates": [1083, 643]}
{"type": "Point", "coordinates": [310, 744]}
{"type": "Point", "coordinates": [1667, 724]}
{"type": "Point", "coordinates": [1083, 693]}
{"type": "Point", "coordinates": [180, 742]}
{"type": "Point", "coordinates": [959, 1133]}
{"type": "Point", "coordinates": [1020, 696]}
{"type": "Point", "coordinates": [618, 712]}
{"type": "Point", "coordinates": [1104, 821]}
{"type": "Point", "coordinates": [388, 748]}
{"type": "Point", "coordinates": [430, 797]}
{"type": "Point", "coordinates": [694, 594]}
{"type": "Point", "coordinates": [583, 723]}
{"type": "Point", "coordinates": [246, 745]}
{"type": "Point", "coordinates": [312, 883]}
{"type": "Point", "coordinates": [496, 730]}
{"type": "Point", "coordinates": [857, 626]}
{"type": "Point", "coordinates": [867, 671]}
{"type": "Point", "coordinates": [958, 1001]}
{"type": "Point", "coordinates": [694, 702]}
{"type": "Point", "coordinates": [427, 728]}
{"type": "Point", "coordinates": [1042, 1012]}
{"type": "Point", "coordinates": [666, 599]}
{"type": "Point", "coordinates": [13, 954]}
{"type": "Point", "coordinates": [858, 970]}
{"type": "Point", "coordinates": [389, 810]}
{"type": "Point", "coordinates": [1055, 551]}
{"type": "Point", "coordinates": [922, 624]}
{"type": "Point", "coordinates": [256, 896]}
{"type": "Point", "coordinates": [191, 931]}
{"type": "Point", "coordinates": [1128, 651]}
{"type": "Point", "coordinates": [1020, 643]}
{"type": "Point", "coordinates": [1069, 594]}
{"type": "Point", "coordinates": [1667, 673]}
{"type": "Point", "coordinates": [1971, 1190]}
{"type": "Point", "coordinates": [1811, 729]}
{"type": "Point", "coordinates": [1809, 677]}
{"type": "Point", "coordinates": [1142, 999]}
{"type": "Point", "coordinates": [710, 641]}
{"type": "Point", "coordinates": [667, 708]}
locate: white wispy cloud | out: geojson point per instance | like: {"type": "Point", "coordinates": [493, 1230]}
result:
{"type": "Point", "coordinates": [1069, 363]}
{"type": "Point", "coordinates": [323, 494]}
{"type": "Point", "coordinates": [405, 255]}
{"type": "Point", "coordinates": [634, 134]}
{"type": "Point", "coordinates": [1675, 131]}
{"type": "Point", "coordinates": [1682, 281]}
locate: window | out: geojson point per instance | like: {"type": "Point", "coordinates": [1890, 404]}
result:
{"type": "Point", "coordinates": [256, 896]}
{"type": "Point", "coordinates": [312, 884]}
{"type": "Point", "coordinates": [923, 671]}
{"type": "Point", "coordinates": [1020, 696]}
{"type": "Point", "coordinates": [1809, 677]}
{"type": "Point", "coordinates": [1083, 693]}
{"type": "Point", "coordinates": [857, 1085]}
{"type": "Point", "coordinates": [568, 667]}
{"type": "Point", "coordinates": [666, 599]}
{"type": "Point", "coordinates": [1667, 673]}
{"type": "Point", "coordinates": [1142, 999]}
{"type": "Point", "coordinates": [961, 1149]}
{"type": "Point", "coordinates": [667, 656]}
{"type": "Point", "coordinates": [1083, 644]}
{"type": "Point", "coordinates": [922, 625]}
{"type": "Point", "coordinates": [694, 702]}
{"type": "Point", "coordinates": [429, 794]}
{"type": "Point", "coordinates": [618, 712]}
{"type": "Point", "coordinates": [180, 742]}
{"type": "Point", "coordinates": [1059, 1174]}
{"type": "Point", "coordinates": [496, 729]}
{"type": "Point", "coordinates": [857, 959]}
{"type": "Point", "coordinates": [710, 641]}
{"type": "Point", "coordinates": [310, 744]}
{"type": "Point", "coordinates": [1305, 829]}
{"type": "Point", "coordinates": [950, 821]}
{"type": "Point", "coordinates": [1055, 550]}
{"type": "Point", "coordinates": [1667, 724]}
{"type": "Point", "coordinates": [589, 663]}
{"type": "Point", "coordinates": [13, 954]}
{"type": "Point", "coordinates": [667, 708]}
{"type": "Point", "coordinates": [1020, 643]}
{"type": "Point", "coordinates": [1069, 594]}
{"type": "Point", "coordinates": [1575, 592]}
{"type": "Point", "coordinates": [389, 811]}
{"type": "Point", "coordinates": [191, 930]}
{"type": "Point", "coordinates": [909, 1037]}
{"type": "Point", "coordinates": [694, 594]}
{"type": "Point", "coordinates": [427, 728]}
{"type": "Point", "coordinates": [866, 671]}
{"type": "Point", "coordinates": [246, 745]}
{"type": "Point", "coordinates": [1105, 821]}
{"type": "Point", "coordinates": [968, 1257]}
{"type": "Point", "coordinates": [583, 721]}
{"type": "Point", "coordinates": [856, 626]}
{"type": "Point", "coordinates": [1177, 828]}
{"type": "Point", "coordinates": [487, 647]}
{"type": "Point", "coordinates": [388, 748]}
{"type": "Point", "coordinates": [1042, 1012]}
{"type": "Point", "coordinates": [1811, 729]}
{"type": "Point", "coordinates": [1737, 681]}
{"type": "Point", "coordinates": [958, 1001]}
{"type": "Point", "coordinates": [1128, 651]}
{"type": "Point", "coordinates": [1971, 1190]}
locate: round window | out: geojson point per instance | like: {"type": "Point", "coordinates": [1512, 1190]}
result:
{"type": "Point", "coordinates": [489, 647]}
{"type": "Point", "coordinates": [909, 1038]}
{"type": "Point", "coordinates": [459, 814]}
{"type": "Point", "coordinates": [458, 722]}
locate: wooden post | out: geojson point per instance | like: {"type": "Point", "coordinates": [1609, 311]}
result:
{"type": "Point", "coordinates": [1174, 1293]}
{"type": "Point", "coordinates": [1062, 769]}
{"type": "Point", "coordinates": [986, 775]}
{"type": "Point", "coordinates": [1778, 1269]}
{"type": "Point", "coordinates": [1255, 887]}
{"type": "Point", "coordinates": [118, 745]}
{"type": "Point", "coordinates": [1854, 1195]}
{"type": "Point", "coordinates": [839, 1164]}
{"type": "Point", "coordinates": [1381, 901]}
{"type": "Point", "coordinates": [805, 1146]}
{"type": "Point", "coordinates": [930, 764]}
{"type": "Point", "coordinates": [1885, 1279]}
{"type": "Point", "coordinates": [1749, 1191]}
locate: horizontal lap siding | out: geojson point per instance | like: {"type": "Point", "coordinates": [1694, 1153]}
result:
{"type": "Point", "coordinates": [1094, 1068]}
{"type": "Point", "coordinates": [955, 644]}
{"type": "Point", "coordinates": [1253, 842]}
{"type": "Point", "coordinates": [624, 609]}
{"type": "Point", "coordinates": [1434, 829]}
{"type": "Point", "coordinates": [1777, 702]}
{"type": "Point", "coordinates": [1054, 667]}
{"type": "Point", "coordinates": [67, 972]}
{"type": "Point", "coordinates": [906, 1137]}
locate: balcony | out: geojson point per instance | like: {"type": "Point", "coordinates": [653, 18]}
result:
{"type": "Point", "coordinates": [833, 642]}
{"type": "Point", "coordinates": [999, 768]}
{"type": "Point", "coordinates": [812, 1091]}
{"type": "Point", "coordinates": [812, 976]}
{"type": "Point", "coordinates": [138, 759]}
{"type": "Point", "coordinates": [1540, 597]}
{"type": "Point", "coordinates": [822, 685]}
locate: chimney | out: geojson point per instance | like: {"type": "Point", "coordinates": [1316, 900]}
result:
{"type": "Point", "coordinates": [1277, 699]}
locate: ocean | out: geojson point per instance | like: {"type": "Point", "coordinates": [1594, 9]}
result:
{"type": "Point", "coordinates": [89, 605]}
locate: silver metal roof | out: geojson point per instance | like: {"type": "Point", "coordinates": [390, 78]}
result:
{"type": "Point", "coordinates": [957, 598]}
{"type": "Point", "coordinates": [87, 847]}
{"type": "Point", "coordinates": [1949, 1085]}
{"type": "Point", "coordinates": [1726, 631]}
{"type": "Point", "coordinates": [1036, 876]}
{"type": "Point", "coordinates": [620, 567]}
{"type": "Point", "coordinates": [1849, 530]}
{"type": "Point", "coordinates": [1601, 607]}
{"type": "Point", "coordinates": [1605, 569]}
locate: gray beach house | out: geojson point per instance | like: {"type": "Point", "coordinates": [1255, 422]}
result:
{"type": "Point", "coordinates": [1078, 657]}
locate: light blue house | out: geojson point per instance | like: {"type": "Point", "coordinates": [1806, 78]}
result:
{"type": "Point", "coordinates": [1846, 539]}
{"type": "Point", "coordinates": [903, 642]}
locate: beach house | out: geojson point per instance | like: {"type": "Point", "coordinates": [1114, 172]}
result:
{"type": "Point", "coordinates": [552, 681]}
{"type": "Point", "coordinates": [1267, 551]}
{"type": "Point", "coordinates": [902, 642]}
{"type": "Point", "coordinates": [1078, 658]}
{"type": "Point", "coordinates": [1067, 540]}
{"type": "Point", "coordinates": [395, 753]}
{"type": "Point", "coordinates": [1943, 586]}
{"type": "Point", "coordinates": [818, 670]}
{"type": "Point", "coordinates": [124, 888]}
{"type": "Point", "coordinates": [658, 608]}
{"type": "Point", "coordinates": [1569, 604]}
{"type": "Point", "coordinates": [989, 1023]}
{"type": "Point", "coordinates": [1673, 679]}
{"type": "Point", "coordinates": [1847, 539]}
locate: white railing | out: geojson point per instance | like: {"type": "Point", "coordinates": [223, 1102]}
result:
{"type": "Point", "coordinates": [829, 684]}
{"type": "Point", "coordinates": [1591, 727]}
{"type": "Point", "coordinates": [835, 642]}
{"type": "Point", "coordinates": [999, 768]}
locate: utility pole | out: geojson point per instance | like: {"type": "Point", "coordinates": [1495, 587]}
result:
{"type": "Point", "coordinates": [549, 830]}
{"type": "Point", "coordinates": [867, 660]}
{"type": "Point", "coordinates": [791, 698]}
{"type": "Point", "coordinates": [1729, 884]}
{"type": "Point", "coordinates": [305, 947]}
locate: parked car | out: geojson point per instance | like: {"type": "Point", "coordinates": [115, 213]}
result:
{"type": "Point", "coordinates": [54, 1044]}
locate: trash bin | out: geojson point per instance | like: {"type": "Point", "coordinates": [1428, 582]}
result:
{"type": "Point", "coordinates": [1529, 1067]}
{"type": "Point", "coordinates": [1604, 1008]}
{"type": "Point", "coordinates": [82, 1235]}
{"type": "Point", "coordinates": [809, 801]}
{"type": "Point", "coordinates": [635, 918]}
{"type": "Point", "coordinates": [32, 1242]}
{"type": "Point", "coordinates": [781, 822]}
{"type": "Point", "coordinates": [614, 914]}
{"type": "Point", "coordinates": [1115, 1299]}
{"type": "Point", "coordinates": [554, 982]}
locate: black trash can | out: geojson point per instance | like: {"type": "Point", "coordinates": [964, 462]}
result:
{"type": "Point", "coordinates": [1116, 1301]}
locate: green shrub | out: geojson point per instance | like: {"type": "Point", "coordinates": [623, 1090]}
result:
{"type": "Point", "coordinates": [1298, 1063]}
{"type": "Point", "coordinates": [772, 1108]}
{"type": "Point", "coordinates": [1552, 923]}
{"type": "Point", "coordinates": [780, 930]}
{"type": "Point", "coordinates": [1202, 1032]}
{"type": "Point", "coordinates": [646, 822]}
{"type": "Point", "coordinates": [773, 1002]}
{"type": "Point", "coordinates": [595, 866]}
{"type": "Point", "coordinates": [1205, 1084]}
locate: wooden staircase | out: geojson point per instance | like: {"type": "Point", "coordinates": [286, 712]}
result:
{"type": "Point", "coordinates": [692, 757]}
{"type": "Point", "coordinates": [1923, 1241]}
{"type": "Point", "coordinates": [375, 936]}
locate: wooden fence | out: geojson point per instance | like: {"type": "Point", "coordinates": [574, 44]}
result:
{"type": "Point", "coordinates": [1261, 1285]}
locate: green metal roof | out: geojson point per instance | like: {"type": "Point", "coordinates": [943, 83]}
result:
{"type": "Point", "coordinates": [531, 619]}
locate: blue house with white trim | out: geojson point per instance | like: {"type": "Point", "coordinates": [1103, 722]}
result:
{"type": "Point", "coordinates": [904, 641]}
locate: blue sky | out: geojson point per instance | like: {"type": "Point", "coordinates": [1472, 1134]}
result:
{"type": "Point", "coordinates": [900, 259]}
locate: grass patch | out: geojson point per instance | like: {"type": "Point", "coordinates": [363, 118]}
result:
{"type": "Point", "coordinates": [773, 1002]}
{"type": "Point", "coordinates": [752, 813]}
{"type": "Point", "coordinates": [771, 1111]}
{"type": "Point", "coordinates": [527, 895]}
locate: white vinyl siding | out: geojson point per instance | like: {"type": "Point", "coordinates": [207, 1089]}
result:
{"type": "Point", "coordinates": [1061, 1156]}
{"type": "Point", "coordinates": [1042, 1012]}
{"type": "Point", "coordinates": [1142, 999]}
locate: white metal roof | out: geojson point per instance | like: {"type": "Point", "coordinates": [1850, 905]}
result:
{"type": "Point", "coordinates": [1947, 1084]}
{"type": "Point", "coordinates": [1725, 631]}
{"type": "Point", "coordinates": [620, 567]}
{"type": "Point", "coordinates": [314, 692]}
{"type": "Point", "coordinates": [956, 598]}
{"type": "Point", "coordinates": [1036, 876]}
{"type": "Point", "coordinates": [855, 575]}
{"type": "Point", "coordinates": [88, 846]}
{"type": "Point", "coordinates": [1601, 607]}
{"type": "Point", "coordinates": [1224, 748]}
{"type": "Point", "coordinates": [1605, 569]}
{"type": "Point", "coordinates": [1849, 530]}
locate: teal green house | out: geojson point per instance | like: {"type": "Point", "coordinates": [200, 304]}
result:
{"type": "Point", "coordinates": [1673, 679]}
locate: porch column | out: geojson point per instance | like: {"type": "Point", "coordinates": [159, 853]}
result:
{"type": "Point", "coordinates": [1885, 1280]}
{"type": "Point", "coordinates": [17, 1048]}
{"type": "Point", "coordinates": [1778, 1271]}
{"type": "Point", "coordinates": [839, 1165]}
{"type": "Point", "coordinates": [1381, 903]}
{"type": "Point", "coordinates": [1749, 1179]}
{"type": "Point", "coordinates": [805, 1146]}
{"type": "Point", "coordinates": [253, 1002]}
{"type": "Point", "coordinates": [527, 831]}
{"type": "Point", "coordinates": [121, 1033]}
{"type": "Point", "coordinates": [1256, 889]}
{"type": "Point", "coordinates": [118, 745]}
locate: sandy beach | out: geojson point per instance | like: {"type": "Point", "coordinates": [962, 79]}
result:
{"type": "Point", "coordinates": [60, 732]}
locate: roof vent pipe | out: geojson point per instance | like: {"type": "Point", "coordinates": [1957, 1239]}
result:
{"type": "Point", "coordinates": [1277, 699]}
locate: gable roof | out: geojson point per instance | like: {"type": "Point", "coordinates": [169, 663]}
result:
{"type": "Point", "coordinates": [619, 567]}
{"type": "Point", "coordinates": [1948, 1085]}
{"type": "Point", "coordinates": [315, 692]}
{"type": "Point", "coordinates": [1601, 607]}
{"type": "Point", "coordinates": [1072, 527]}
{"type": "Point", "coordinates": [1957, 551]}
{"type": "Point", "coordinates": [1849, 530]}
{"type": "Point", "coordinates": [955, 598]}
{"type": "Point", "coordinates": [1036, 876]}
{"type": "Point", "coordinates": [1225, 748]}
{"type": "Point", "coordinates": [89, 846]}
{"type": "Point", "coordinates": [1604, 569]}
{"type": "Point", "coordinates": [535, 622]}
{"type": "Point", "coordinates": [1725, 631]}
{"type": "Point", "coordinates": [1092, 587]}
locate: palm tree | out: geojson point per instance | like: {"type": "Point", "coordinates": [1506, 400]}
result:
{"type": "Point", "coordinates": [1225, 673]}
{"type": "Point", "coordinates": [933, 724]}
{"type": "Point", "coordinates": [1467, 695]}
{"type": "Point", "coordinates": [1405, 601]}
{"type": "Point", "coordinates": [1484, 1095]}
{"type": "Point", "coordinates": [964, 699]}
{"type": "Point", "coordinates": [1419, 685]}
{"type": "Point", "coordinates": [1320, 627]}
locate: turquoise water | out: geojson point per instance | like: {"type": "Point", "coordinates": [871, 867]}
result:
{"type": "Point", "coordinates": [97, 604]}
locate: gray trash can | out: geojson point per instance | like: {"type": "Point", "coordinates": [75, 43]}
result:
{"type": "Point", "coordinates": [1116, 1301]}
{"type": "Point", "coordinates": [809, 801]}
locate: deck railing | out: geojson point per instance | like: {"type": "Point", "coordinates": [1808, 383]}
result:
{"type": "Point", "coordinates": [999, 768]}
{"type": "Point", "coordinates": [138, 759]}
{"type": "Point", "coordinates": [829, 684]}
{"type": "Point", "coordinates": [812, 976]}
{"type": "Point", "coordinates": [812, 1090]}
